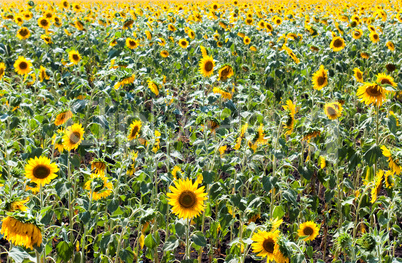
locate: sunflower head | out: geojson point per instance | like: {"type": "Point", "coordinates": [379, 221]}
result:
{"type": "Point", "coordinates": [225, 72]}
{"type": "Point", "coordinates": [23, 33]}
{"type": "Point", "coordinates": [135, 128]}
{"type": "Point", "coordinates": [333, 110]}
{"type": "Point", "coordinates": [164, 53]}
{"type": "Point", "coordinates": [2, 69]}
{"type": "Point", "coordinates": [374, 37]}
{"type": "Point", "coordinates": [320, 78]}
{"type": "Point", "coordinates": [131, 43]}
{"type": "Point", "coordinates": [358, 75]}
{"type": "Point", "coordinates": [22, 66]}
{"type": "Point", "coordinates": [44, 23]}
{"type": "Point", "coordinates": [183, 43]}
{"type": "Point", "coordinates": [74, 57]}
{"type": "Point", "coordinates": [337, 44]}
{"type": "Point", "coordinates": [308, 231]}
{"type": "Point", "coordinates": [186, 198]}
{"type": "Point", "coordinates": [20, 233]}
{"type": "Point", "coordinates": [384, 79]}
{"type": "Point", "coordinates": [207, 66]}
{"type": "Point", "coordinates": [371, 93]}
{"type": "Point", "coordinates": [73, 136]}
{"type": "Point", "coordinates": [99, 186]}
{"type": "Point", "coordinates": [40, 170]}
{"type": "Point", "coordinates": [264, 244]}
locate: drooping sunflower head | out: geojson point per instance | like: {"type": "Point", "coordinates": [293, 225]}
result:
{"type": "Point", "coordinates": [333, 110]}
{"type": "Point", "coordinates": [186, 198]}
{"type": "Point", "coordinates": [99, 165]}
{"type": "Point", "coordinates": [390, 46]}
{"type": "Point", "coordinates": [63, 117]}
{"type": "Point", "coordinates": [358, 75]}
{"type": "Point", "coordinates": [42, 74]}
{"type": "Point", "coordinates": [308, 231]}
{"type": "Point", "coordinates": [320, 78]}
{"type": "Point", "coordinates": [365, 55]}
{"type": "Point", "coordinates": [21, 233]}
{"type": "Point", "coordinates": [264, 244]}
{"type": "Point", "coordinates": [99, 185]}
{"type": "Point", "coordinates": [390, 67]}
{"type": "Point", "coordinates": [23, 33]}
{"type": "Point", "coordinates": [41, 170]}
{"type": "Point", "coordinates": [74, 57]}
{"type": "Point", "coordinates": [22, 66]}
{"type": "Point", "coordinates": [153, 86]}
{"type": "Point", "coordinates": [207, 66]}
{"type": "Point", "coordinates": [384, 79]}
{"type": "Point", "coordinates": [371, 93]}
{"type": "Point", "coordinates": [73, 136]}
{"type": "Point", "coordinates": [225, 72]}
{"type": "Point", "coordinates": [183, 43]}
{"type": "Point", "coordinates": [135, 128]}
{"type": "Point", "coordinates": [337, 44]}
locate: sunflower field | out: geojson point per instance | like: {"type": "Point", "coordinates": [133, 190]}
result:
{"type": "Point", "coordinates": [186, 131]}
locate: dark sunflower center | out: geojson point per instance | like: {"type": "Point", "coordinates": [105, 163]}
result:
{"type": "Point", "coordinates": [386, 81]}
{"type": "Point", "coordinates": [269, 245]}
{"type": "Point", "coordinates": [338, 43]}
{"type": "Point", "coordinates": [374, 91]}
{"type": "Point", "coordinates": [357, 34]}
{"type": "Point", "coordinates": [75, 137]}
{"type": "Point", "coordinates": [321, 80]}
{"type": "Point", "coordinates": [183, 43]}
{"type": "Point", "coordinates": [44, 22]}
{"type": "Point", "coordinates": [48, 15]}
{"type": "Point", "coordinates": [390, 67]}
{"type": "Point", "coordinates": [359, 75]}
{"type": "Point", "coordinates": [187, 199]}
{"type": "Point", "coordinates": [23, 65]}
{"type": "Point", "coordinates": [135, 131]}
{"type": "Point", "coordinates": [209, 66]}
{"type": "Point", "coordinates": [375, 36]}
{"type": "Point", "coordinates": [24, 32]}
{"type": "Point", "coordinates": [1, 71]}
{"type": "Point", "coordinates": [76, 57]}
{"type": "Point", "coordinates": [332, 111]}
{"type": "Point", "coordinates": [132, 43]}
{"type": "Point", "coordinates": [308, 231]}
{"type": "Point", "coordinates": [41, 171]}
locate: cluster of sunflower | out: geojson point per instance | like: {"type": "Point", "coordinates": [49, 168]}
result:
{"type": "Point", "coordinates": [243, 121]}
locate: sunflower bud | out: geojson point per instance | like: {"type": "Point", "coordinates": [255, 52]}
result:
{"type": "Point", "coordinates": [367, 242]}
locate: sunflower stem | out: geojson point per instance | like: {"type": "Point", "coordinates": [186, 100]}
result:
{"type": "Point", "coordinates": [86, 228]}
{"type": "Point", "coordinates": [70, 207]}
{"type": "Point", "coordinates": [188, 239]}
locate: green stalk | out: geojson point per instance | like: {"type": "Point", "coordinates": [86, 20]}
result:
{"type": "Point", "coordinates": [86, 228]}
{"type": "Point", "coordinates": [188, 240]}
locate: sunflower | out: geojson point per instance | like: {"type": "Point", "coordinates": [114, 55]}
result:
{"type": "Point", "coordinates": [333, 110]}
{"type": "Point", "coordinates": [358, 75]}
{"type": "Point", "coordinates": [374, 37]}
{"type": "Point", "coordinates": [393, 162]}
{"type": "Point", "coordinates": [186, 199]}
{"type": "Point", "coordinates": [57, 21]}
{"type": "Point", "coordinates": [21, 234]}
{"type": "Point", "coordinates": [77, 7]}
{"type": "Point", "coordinates": [308, 231]}
{"type": "Point", "coordinates": [23, 33]}
{"type": "Point", "coordinates": [99, 185]}
{"type": "Point", "coordinates": [171, 28]}
{"type": "Point", "coordinates": [98, 165]}
{"type": "Point", "coordinates": [371, 93]}
{"type": "Point", "coordinates": [246, 40]}
{"type": "Point", "coordinates": [291, 111]}
{"type": "Point", "coordinates": [18, 206]}
{"type": "Point", "coordinates": [183, 43]}
{"type": "Point", "coordinates": [264, 244]}
{"type": "Point", "coordinates": [207, 66]}
{"type": "Point", "coordinates": [44, 23]}
{"type": "Point", "coordinates": [389, 179]}
{"type": "Point", "coordinates": [161, 42]}
{"type": "Point", "coordinates": [384, 79]}
{"type": "Point", "coordinates": [131, 43]}
{"type": "Point", "coordinates": [191, 34]}
{"type": "Point", "coordinates": [320, 78]}
{"type": "Point", "coordinates": [153, 87]}
{"type": "Point", "coordinates": [79, 25]}
{"type": "Point", "coordinates": [365, 55]}
{"type": "Point", "coordinates": [42, 74]}
{"type": "Point", "coordinates": [377, 185]}
{"type": "Point", "coordinates": [337, 44]}
{"type": "Point", "coordinates": [135, 128]}
{"type": "Point", "coordinates": [40, 170]}
{"type": "Point", "coordinates": [358, 33]}
{"type": "Point", "coordinates": [2, 69]}
{"type": "Point", "coordinates": [47, 39]}
{"type": "Point", "coordinates": [148, 34]}
{"type": "Point", "coordinates": [22, 66]}
{"type": "Point", "coordinates": [62, 117]}
{"type": "Point", "coordinates": [74, 57]}
{"type": "Point", "coordinates": [390, 46]}
{"type": "Point", "coordinates": [164, 53]}
{"type": "Point", "coordinates": [73, 136]}
{"type": "Point", "coordinates": [57, 140]}
{"type": "Point", "coordinates": [225, 72]}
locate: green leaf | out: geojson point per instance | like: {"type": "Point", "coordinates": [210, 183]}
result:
{"type": "Point", "coordinates": [372, 154]}
{"type": "Point", "coordinates": [18, 254]}
{"type": "Point", "coordinates": [79, 106]}
{"type": "Point", "coordinates": [150, 241]}
{"type": "Point", "coordinates": [64, 251]}
{"type": "Point", "coordinates": [180, 228]}
{"type": "Point", "coordinates": [279, 212]}
{"type": "Point", "coordinates": [199, 239]}
{"type": "Point", "coordinates": [171, 244]}
{"type": "Point", "coordinates": [127, 255]}
{"type": "Point", "coordinates": [290, 196]}
{"type": "Point", "coordinates": [208, 177]}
